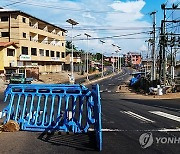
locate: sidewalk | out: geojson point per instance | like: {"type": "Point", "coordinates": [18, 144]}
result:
{"type": "Point", "coordinates": [54, 78]}
{"type": "Point", "coordinates": [61, 77]}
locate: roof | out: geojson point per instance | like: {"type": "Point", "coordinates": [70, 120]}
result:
{"type": "Point", "coordinates": [6, 44]}
{"type": "Point", "coordinates": [26, 14]}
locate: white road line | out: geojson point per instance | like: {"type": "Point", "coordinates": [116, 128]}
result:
{"type": "Point", "coordinates": [166, 115]}
{"type": "Point", "coordinates": [2, 115]}
{"type": "Point", "coordinates": [33, 114]}
{"type": "Point", "coordinates": [111, 84]}
{"type": "Point", "coordinates": [139, 130]}
{"type": "Point", "coordinates": [139, 117]}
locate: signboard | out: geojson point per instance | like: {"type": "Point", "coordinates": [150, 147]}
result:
{"type": "Point", "coordinates": [25, 57]}
{"type": "Point", "coordinates": [34, 64]}
{"type": "Point", "coordinates": [55, 59]}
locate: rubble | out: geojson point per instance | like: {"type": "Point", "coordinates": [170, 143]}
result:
{"type": "Point", "coordinates": [10, 126]}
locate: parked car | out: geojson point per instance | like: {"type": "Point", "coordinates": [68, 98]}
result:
{"type": "Point", "coordinates": [20, 78]}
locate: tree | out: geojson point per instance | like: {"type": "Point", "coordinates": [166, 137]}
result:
{"type": "Point", "coordinates": [69, 45]}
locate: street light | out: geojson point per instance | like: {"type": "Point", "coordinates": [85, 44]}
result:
{"type": "Point", "coordinates": [113, 61]}
{"type": "Point", "coordinates": [119, 58]}
{"type": "Point", "coordinates": [73, 23]}
{"type": "Point", "coordinates": [87, 77]}
{"type": "Point", "coordinates": [113, 57]}
{"type": "Point", "coordinates": [102, 59]}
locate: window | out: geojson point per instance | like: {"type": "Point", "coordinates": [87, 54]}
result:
{"type": "Point", "coordinates": [62, 44]}
{"type": "Point", "coordinates": [62, 33]}
{"type": "Point", "coordinates": [34, 51]}
{"type": "Point", "coordinates": [4, 18]}
{"type": "Point", "coordinates": [52, 53]}
{"type": "Point", "coordinates": [41, 52]}
{"type": "Point", "coordinates": [4, 34]}
{"type": "Point", "coordinates": [24, 50]}
{"type": "Point", "coordinates": [47, 53]}
{"type": "Point", "coordinates": [22, 70]}
{"type": "Point", "coordinates": [24, 35]}
{"type": "Point", "coordinates": [57, 54]}
{"type": "Point", "coordinates": [24, 20]}
{"type": "Point", "coordinates": [63, 55]}
{"type": "Point", "coordinates": [10, 52]}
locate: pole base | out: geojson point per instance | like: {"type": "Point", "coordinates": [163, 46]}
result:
{"type": "Point", "coordinates": [71, 80]}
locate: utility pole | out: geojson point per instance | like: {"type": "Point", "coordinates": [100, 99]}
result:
{"type": "Point", "coordinates": [153, 75]}
{"type": "Point", "coordinates": [163, 42]}
{"type": "Point", "coordinates": [73, 23]}
{"type": "Point", "coordinates": [113, 62]}
{"type": "Point", "coordinates": [102, 75]}
{"type": "Point", "coordinates": [87, 55]}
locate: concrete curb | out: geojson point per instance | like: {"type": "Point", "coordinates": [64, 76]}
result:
{"type": "Point", "coordinates": [100, 79]}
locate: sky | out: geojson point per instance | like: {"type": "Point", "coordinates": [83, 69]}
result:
{"type": "Point", "coordinates": [125, 23]}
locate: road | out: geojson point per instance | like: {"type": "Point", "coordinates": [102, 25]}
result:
{"type": "Point", "coordinates": [124, 120]}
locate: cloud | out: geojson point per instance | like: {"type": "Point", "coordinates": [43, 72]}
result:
{"type": "Point", "coordinates": [173, 1]}
{"type": "Point", "coordinates": [129, 6]}
{"type": "Point", "coordinates": [93, 17]}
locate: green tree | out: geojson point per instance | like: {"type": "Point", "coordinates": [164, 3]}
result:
{"type": "Point", "coordinates": [69, 45]}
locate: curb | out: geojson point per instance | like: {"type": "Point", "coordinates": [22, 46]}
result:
{"type": "Point", "coordinates": [100, 79]}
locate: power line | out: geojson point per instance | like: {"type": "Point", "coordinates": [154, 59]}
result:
{"type": "Point", "coordinates": [62, 8]}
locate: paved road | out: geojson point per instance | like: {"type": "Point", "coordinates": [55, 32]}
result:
{"type": "Point", "coordinates": [124, 121]}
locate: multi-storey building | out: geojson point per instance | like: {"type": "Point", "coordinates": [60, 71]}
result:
{"type": "Point", "coordinates": [132, 59]}
{"type": "Point", "coordinates": [37, 46]}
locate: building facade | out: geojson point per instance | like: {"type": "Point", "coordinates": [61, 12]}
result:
{"type": "Point", "coordinates": [132, 59]}
{"type": "Point", "coordinates": [40, 46]}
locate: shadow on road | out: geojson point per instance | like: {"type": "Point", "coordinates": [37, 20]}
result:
{"type": "Point", "coordinates": [82, 142]}
{"type": "Point", "coordinates": [170, 104]}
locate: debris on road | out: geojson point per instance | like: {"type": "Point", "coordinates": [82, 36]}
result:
{"type": "Point", "coordinates": [10, 126]}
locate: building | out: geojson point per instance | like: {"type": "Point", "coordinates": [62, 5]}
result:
{"type": "Point", "coordinates": [146, 65]}
{"type": "Point", "coordinates": [32, 45]}
{"type": "Point", "coordinates": [132, 59]}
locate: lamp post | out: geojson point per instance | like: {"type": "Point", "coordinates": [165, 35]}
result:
{"type": "Point", "coordinates": [113, 61]}
{"type": "Point", "coordinates": [113, 56]}
{"type": "Point", "coordinates": [87, 64]}
{"type": "Point", "coordinates": [117, 62]}
{"type": "Point", "coordinates": [73, 23]}
{"type": "Point", "coordinates": [102, 59]}
{"type": "Point", "coordinates": [119, 59]}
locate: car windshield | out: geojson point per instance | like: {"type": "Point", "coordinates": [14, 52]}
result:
{"type": "Point", "coordinates": [17, 76]}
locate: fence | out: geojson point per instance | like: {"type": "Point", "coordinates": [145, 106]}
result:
{"type": "Point", "coordinates": [50, 107]}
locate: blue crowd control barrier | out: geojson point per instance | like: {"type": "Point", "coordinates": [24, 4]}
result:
{"type": "Point", "coordinates": [50, 107]}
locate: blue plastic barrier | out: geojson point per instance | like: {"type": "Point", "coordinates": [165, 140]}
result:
{"type": "Point", "coordinates": [46, 107]}
{"type": "Point", "coordinates": [135, 79]}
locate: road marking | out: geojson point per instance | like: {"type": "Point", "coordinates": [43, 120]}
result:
{"type": "Point", "coordinates": [139, 130]}
{"type": "Point", "coordinates": [2, 115]}
{"type": "Point", "coordinates": [111, 84]}
{"type": "Point", "coordinates": [166, 115]}
{"type": "Point", "coordinates": [137, 116]}
{"type": "Point", "coordinates": [33, 114]}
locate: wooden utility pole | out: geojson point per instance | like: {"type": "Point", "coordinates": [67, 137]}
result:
{"type": "Point", "coordinates": [164, 43]}
{"type": "Point", "coordinates": [153, 74]}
